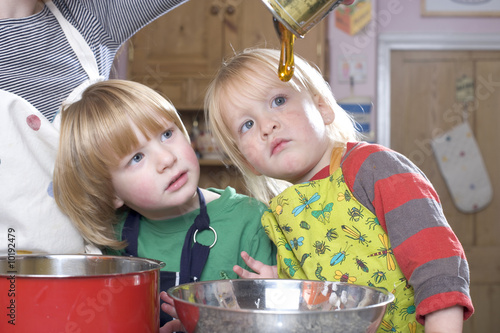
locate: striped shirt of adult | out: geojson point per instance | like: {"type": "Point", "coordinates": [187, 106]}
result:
{"type": "Point", "coordinates": [37, 62]}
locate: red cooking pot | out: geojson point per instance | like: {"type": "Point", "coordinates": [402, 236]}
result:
{"type": "Point", "coordinates": [79, 293]}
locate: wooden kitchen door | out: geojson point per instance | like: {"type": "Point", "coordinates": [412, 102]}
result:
{"type": "Point", "coordinates": [424, 105]}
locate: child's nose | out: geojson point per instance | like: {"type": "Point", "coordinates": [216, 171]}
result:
{"type": "Point", "coordinates": [165, 159]}
{"type": "Point", "coordinates": [268, 127]}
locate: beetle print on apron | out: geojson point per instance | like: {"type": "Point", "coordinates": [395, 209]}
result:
{"type": "Point", "coordinates": [323, 232]}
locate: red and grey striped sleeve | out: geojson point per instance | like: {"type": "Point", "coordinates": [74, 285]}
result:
{"type": "Point", "coordinates": [408, 208]}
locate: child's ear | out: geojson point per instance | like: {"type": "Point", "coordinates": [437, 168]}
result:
{"type": "Point", "coordinates": [117, 202]}
{"type": "Point", "coordinates": [325, 110]}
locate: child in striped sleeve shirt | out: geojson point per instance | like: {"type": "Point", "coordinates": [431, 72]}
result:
{"type": "Point", "coordinates": [339, 209]}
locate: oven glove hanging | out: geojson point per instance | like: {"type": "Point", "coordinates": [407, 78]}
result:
{"type": "Point", "coordinates": [463, 169]}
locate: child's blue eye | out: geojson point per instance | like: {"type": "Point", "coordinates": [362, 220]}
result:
{"type": "Point", "coordinates": [246, 126]}
{"type": "Point", "coordinates": [278, 101]}
{"type": "Point", "coordinates": [166, 135]}
{"type": "Point", "coordinates": [136, 158]}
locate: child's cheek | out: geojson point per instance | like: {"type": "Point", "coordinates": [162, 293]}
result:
{"type": "Point", "coordinates": [193, 162]}
{"type": "Point", "coordinates": [251, 151]}
{"type": "Point", "coordinates": [142, 195]}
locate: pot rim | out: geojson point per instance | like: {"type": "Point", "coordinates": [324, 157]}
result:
{"type": "Point", "coordinates": [9, 265]}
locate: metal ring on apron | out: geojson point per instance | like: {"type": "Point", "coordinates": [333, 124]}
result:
{"type": "Point", "coordinates": [215, 235]}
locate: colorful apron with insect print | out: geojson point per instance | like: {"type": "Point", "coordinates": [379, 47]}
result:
{"type": "Point", "coordinates": [323, 233]}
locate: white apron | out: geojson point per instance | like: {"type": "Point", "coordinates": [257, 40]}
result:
{"type": "Point", "coordinates": [30, 221]}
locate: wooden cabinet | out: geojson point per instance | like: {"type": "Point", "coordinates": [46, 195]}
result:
{"type": "Point", "coordinates": [179, 53]}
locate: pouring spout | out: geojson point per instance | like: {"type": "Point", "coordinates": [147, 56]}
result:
{"type": "Point", "coordinates": [300, 16]}
{"type": "Point", "coordinates": [276, 24]}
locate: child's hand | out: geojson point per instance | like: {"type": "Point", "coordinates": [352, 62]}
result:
{"type": "Point", "coordinates": [261, 270]}
{"type": "Point", "coordinates": [168, 307]}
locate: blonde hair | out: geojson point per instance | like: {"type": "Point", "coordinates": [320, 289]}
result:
{"type": "Point", "coordinates": [233, 76]}
{"type": "Point", "coordinates": [96, 133]}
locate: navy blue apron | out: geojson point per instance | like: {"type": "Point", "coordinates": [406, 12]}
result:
{"type": "Point", "coordinates": [193, 257]}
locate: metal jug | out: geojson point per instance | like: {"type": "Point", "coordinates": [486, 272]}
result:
{"type": "Point", "coordinates": [294, 18]}
{"type": "Point", "coordinates": [300, 16]}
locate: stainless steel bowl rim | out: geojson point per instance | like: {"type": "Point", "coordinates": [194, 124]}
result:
{"type": "Point", "coordinates": [156, 263]}
{"type": "Point", "coordinates": [390, 298]}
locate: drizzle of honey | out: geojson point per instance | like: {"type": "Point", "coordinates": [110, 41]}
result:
{"type": "Point", "coordinates": [286, 64]}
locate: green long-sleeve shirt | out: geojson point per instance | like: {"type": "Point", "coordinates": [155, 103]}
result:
{"type": "Point", "coordinates": [236, 220]}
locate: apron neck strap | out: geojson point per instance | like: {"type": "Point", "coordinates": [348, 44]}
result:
{"type": "Point", "coordinates": [335, 159]}
{"type": "Point", "coordinates": [77, 43]}
{"type": "Point", "coordinates": [130, 233]}
{"type": "Point", "coordinates": [194, 255]}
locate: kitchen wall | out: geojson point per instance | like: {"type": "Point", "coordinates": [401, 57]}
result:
{"type": "Point", "coordinates": [388, 16]}
{"type": "Point", "coordinates": [391, 16]}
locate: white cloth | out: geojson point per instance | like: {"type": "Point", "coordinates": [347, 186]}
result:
{"type": "Point", "coordinates": [28, 149]}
